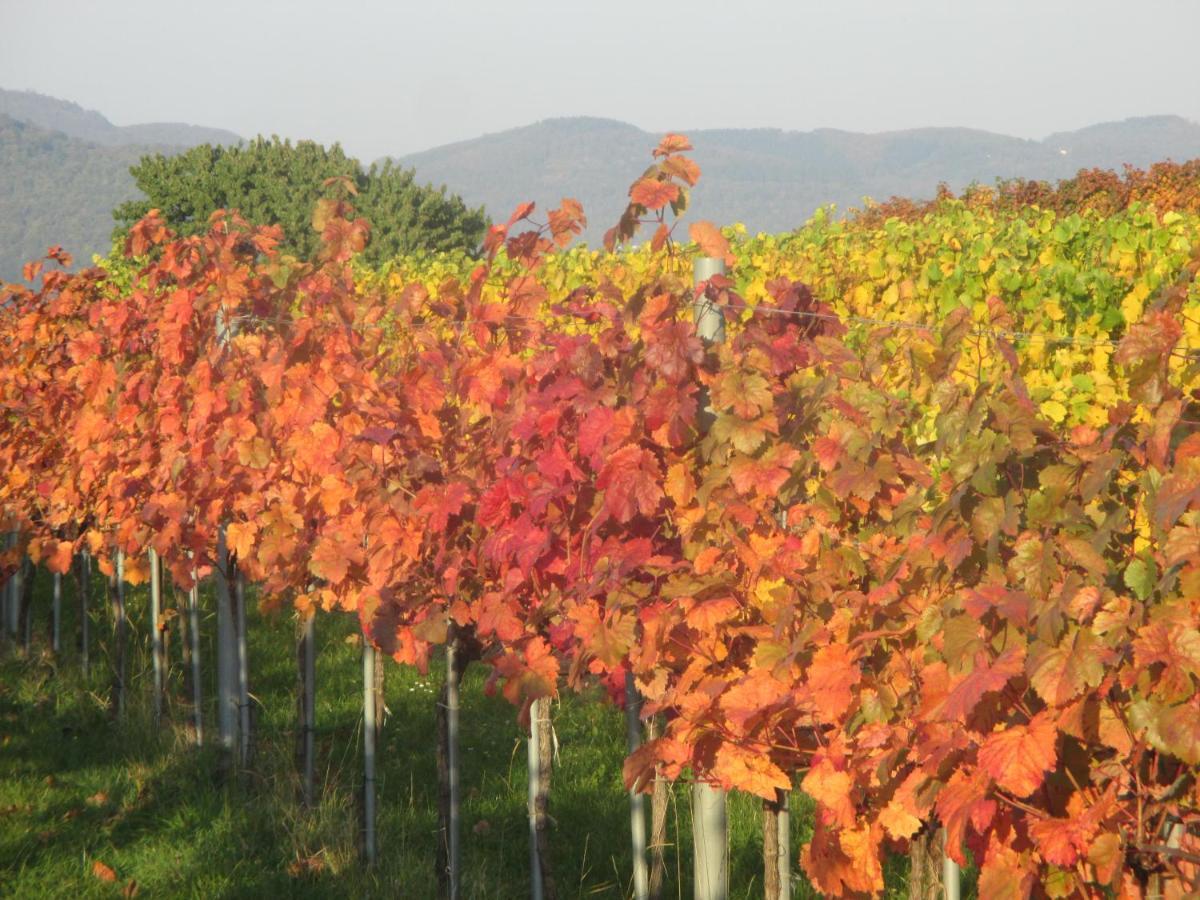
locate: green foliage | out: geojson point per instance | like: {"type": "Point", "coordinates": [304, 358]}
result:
{"type": "Point", "coordinates": [273, 181]}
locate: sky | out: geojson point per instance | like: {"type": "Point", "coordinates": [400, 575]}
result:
{"type": "Point", "coordinates": [390, 77]}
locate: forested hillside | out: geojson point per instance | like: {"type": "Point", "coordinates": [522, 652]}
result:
{"type": "Point", "coordinates": [56, 189]}
{"type": "Point", "coordinates": [64, 168]}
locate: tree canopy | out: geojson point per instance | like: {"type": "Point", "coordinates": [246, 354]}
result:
{"type": "Point", "coordinates": [273, 181]}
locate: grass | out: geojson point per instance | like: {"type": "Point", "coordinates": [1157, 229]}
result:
{"type": "Point", "coordinates": [77, 787]}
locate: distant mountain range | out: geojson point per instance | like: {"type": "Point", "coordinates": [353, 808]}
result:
{"type": "Point", "coordinates": [63, 168]}
{"type": "Point", "coordinates": [773, 180]}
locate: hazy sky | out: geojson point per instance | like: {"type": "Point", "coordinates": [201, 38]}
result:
{"type": "Point", "coordinates": [395, 77]}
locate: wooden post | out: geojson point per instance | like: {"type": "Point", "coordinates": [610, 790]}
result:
{"type": "Point", "coordinates": [770, 833]}
{"type": "Point", "coordinates": [783, 842]}
{"type": "Point", "coordinates": [637, 800]}
{"type": "Point", "coordinates": [777, 875]}
{"type": "Point", "coordinates": [925, 864]}
{"type": "Point", "coordinates": [368, 664]}
{"type": "Point", "coordinates": [658, 820]}
{"type": "Point", "coordinates": [542, 803]}
{"type": "Point", "coordinates": [709, 826]}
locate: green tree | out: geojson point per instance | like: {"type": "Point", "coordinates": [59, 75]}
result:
{"type": "Point", "coordinates": [272, 181]}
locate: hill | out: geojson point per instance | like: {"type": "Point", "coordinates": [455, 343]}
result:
{"type": "Point", "coordinates": [772, 180]}
{"type": "Point", "coordinates": [74, 121]}
{"type": "Point", "coordinates": [63, 169]}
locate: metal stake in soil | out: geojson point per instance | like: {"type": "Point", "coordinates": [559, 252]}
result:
{"type": "Point", "coordinates": [308, 692]}
{"type": "Point", "coordinates": [56, 616]}
{"type": "Point", "coordinates": [227, 676]}
{"type": "Point", "coordinates": [535, 773]}
{"type": "Point", "coordinates": [243, 672]}
{"type": "Point", "coordinates": [452, 825]}
{"type": "Point", "coordinates": [637, 800]}
{"type": "Point", "coordinates": [156, 638]}
{"type": "Point", "coordinates": [194, 629]}
{"type": "Point", "coordinates": [709, 828]}
{"type": "Point", "coordinates": [368, 662]}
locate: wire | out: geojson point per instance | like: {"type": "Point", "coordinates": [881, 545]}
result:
{"type": "Point", "coordinates": [994, 333]}
{"type": "Point", "coordinates": [922, 326]}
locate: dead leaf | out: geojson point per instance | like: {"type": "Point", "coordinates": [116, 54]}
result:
{"type": "Point", "coordinates": [306, 867]}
